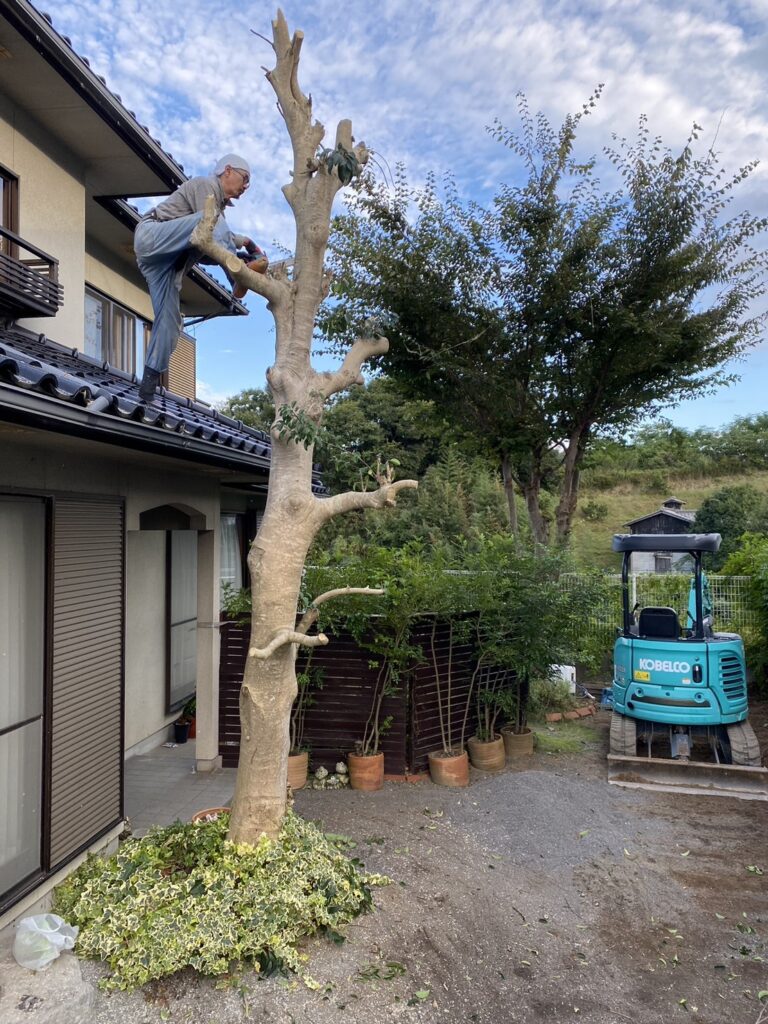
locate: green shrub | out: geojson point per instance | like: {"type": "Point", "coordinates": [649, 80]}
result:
{"type": "Point", "coordinates": [594, 511]}
{"type": "Point", "coordinates": [549, 696]}
{"type": "Point", "coordinates": [184, 896]}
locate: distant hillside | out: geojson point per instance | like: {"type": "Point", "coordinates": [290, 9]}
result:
{"type": "Point", "coordinates": [591, 543]}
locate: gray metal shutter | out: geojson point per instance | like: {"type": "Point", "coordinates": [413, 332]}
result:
{"type": "Point", "coordinates": [87, 673]}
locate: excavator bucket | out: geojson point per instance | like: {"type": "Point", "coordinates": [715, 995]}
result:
{"type": "Point", "coordinates": [698, 778]}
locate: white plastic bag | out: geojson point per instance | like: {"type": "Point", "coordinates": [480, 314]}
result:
{"type": "Point", "coordinates": [39, 940]}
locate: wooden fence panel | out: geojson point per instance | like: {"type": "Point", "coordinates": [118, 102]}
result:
{"type": "Point", "coordinates": [336, 719]}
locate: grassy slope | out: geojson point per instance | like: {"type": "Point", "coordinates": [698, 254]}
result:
{"type": "Point", "coordinates": [592, 541]}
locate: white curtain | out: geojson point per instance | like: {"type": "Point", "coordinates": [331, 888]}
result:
{"type": "Point", "coordinates": [231, 556]}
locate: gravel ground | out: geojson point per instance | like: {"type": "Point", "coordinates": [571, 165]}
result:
{"type": "Point", "coordinates": [540, 894]}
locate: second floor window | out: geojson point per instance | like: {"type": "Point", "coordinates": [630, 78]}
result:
{"type": "Point", "coordinates": [110, 332]}
{"type": "Point", "coordinates": [9, 208]}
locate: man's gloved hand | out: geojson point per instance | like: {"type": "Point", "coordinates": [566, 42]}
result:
{"type": "Point", "coordinates": [256, 261]}
{"type": "Point", "coordinates": [255, 258]}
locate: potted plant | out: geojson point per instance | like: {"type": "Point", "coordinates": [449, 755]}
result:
{"type": "Point", "coordinates": [518, 738]}
{"type": "Point", "coordinates": [448, 766]}
{"type": "Point", "coordinates": [298, 754]}
{"type": "Point", "coordinates": [486, 747]}
{"type": "Point", "coordinates": [181, 729]}
{"type": "Point", "coordinates": [366, 763]}
{"type": "Point", "coordinates": [189, 712]}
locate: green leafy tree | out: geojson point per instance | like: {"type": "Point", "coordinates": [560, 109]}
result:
{"type": "Point", "coordinates": [732, 512]}
{"type": "Point", "coordinates": [254, 406]}
{"type": "Point", "coordinates": [563, 311]}
{"type": "Point", "coordinates": [751, 559]}
{"type": "Point", "coordinates": [460, 501]}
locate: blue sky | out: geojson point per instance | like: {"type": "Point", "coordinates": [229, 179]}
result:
{"type": "Point", "coordinates": [421, 82]}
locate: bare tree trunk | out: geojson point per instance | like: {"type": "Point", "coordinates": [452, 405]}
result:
{"type": "Point", "coordinates": [509, 491]}
{"type": "Point", "coordinates": [569, 489]}
{"type": "Point", "coordinates": [293, 515]}
{"type": "Point", "coordinates": [531, 488]}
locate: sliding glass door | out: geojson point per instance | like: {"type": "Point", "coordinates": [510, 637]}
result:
{"type": "Point", "coordinates": [22, 690]}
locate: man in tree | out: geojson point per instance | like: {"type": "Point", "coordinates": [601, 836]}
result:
{"type": "Point", "coordinates": [164, 254]}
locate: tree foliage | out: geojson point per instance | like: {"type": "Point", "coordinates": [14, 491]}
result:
{"type": "Point", "coordinates": [737, 448]}
{"type": "Point", "coordinates": [751, 559]}
{"type": "Point", "coordinates": [563, 311]}
{"type": "Point", "coordinates": [732, 512]}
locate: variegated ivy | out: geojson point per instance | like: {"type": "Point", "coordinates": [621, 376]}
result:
{"type": "Point", "coordinates": [184, 896]}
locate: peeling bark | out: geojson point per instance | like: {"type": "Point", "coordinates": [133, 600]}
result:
{"type": "Point", "coordinates": [293, 515]}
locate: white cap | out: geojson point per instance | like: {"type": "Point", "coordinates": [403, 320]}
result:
{"type": "Point", "coordinates": [233, 160]}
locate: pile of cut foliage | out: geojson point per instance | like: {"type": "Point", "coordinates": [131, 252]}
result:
{"type": "Point", "coordinates": [184, 896]}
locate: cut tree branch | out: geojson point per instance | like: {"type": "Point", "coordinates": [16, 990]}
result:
{"type": "Point", "coordinates": [349, 373]}
{"type": "Point", "coordinates": [274, 291]}
{"type": "Point", "coordinates": [287, 636]}
{"type": "Point", "coordinates": [309, 618]}
{"type": "Point", "coordinates": [384, 496]}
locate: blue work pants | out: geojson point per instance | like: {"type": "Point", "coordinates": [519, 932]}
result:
{"type": "Point", "coordinates": [164, 256]}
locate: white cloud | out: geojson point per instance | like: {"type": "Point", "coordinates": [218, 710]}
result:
{"type": "Point", "coordinates": [205, 393]}
{"type": "Point", "coordinates": [421, 81]}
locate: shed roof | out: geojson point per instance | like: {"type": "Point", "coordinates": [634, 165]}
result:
{"type": "Point", "coordinates": [683, 517]}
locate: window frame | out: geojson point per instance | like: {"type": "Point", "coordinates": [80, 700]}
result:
{"type": "Point", "coordinates": [120, 353]}
{"type": "Point", "coordinates": [9, 210]}
{"type": "Point", "coordinates": [177, 696]}
{"type": "Point", "coordinates": [26, 884]}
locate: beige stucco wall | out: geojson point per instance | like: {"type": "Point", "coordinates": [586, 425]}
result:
{"type": "Point", "coordinates": [51, 213]}
{"type": "Point", "coordinates": [40, 461]}
{"type": "Point", "coordinates": [101, 274]}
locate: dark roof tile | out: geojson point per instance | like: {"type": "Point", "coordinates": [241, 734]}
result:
{"type": "Point", "coordinates": [33, 363]}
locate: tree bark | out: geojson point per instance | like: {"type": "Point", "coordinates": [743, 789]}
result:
{"type": "Point", "coordinates": [569, 488]}
{"type": "Point", "coordinates": [509, 492]}
{"type": "Point", "coordinates": [293, 515]}
{"type": "Point", "coordinates": [531, 488]}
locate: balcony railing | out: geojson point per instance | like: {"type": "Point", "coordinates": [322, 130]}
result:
{"type": "Point", "coordinates": [29, 279]}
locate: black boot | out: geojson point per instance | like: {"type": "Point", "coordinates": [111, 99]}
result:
{"type": "Point", "coordinates": [149, 384]}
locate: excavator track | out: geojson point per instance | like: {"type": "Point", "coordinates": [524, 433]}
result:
{"type": "Point", "coordinates": [745, 749]}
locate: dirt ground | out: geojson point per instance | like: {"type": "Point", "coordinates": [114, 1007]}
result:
{"type": "Point", "coordinates": [540, 894]}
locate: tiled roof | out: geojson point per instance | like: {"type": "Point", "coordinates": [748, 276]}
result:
{"type": "Point", "coordinates": [34, 364]}
{"type": "Point", "coordinates": [86, 64]}
{"type": "Point", "coordinates": [673, 513]}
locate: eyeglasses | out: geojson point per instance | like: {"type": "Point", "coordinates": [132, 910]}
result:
{"type": "Point", "coordinates": [246, 177]}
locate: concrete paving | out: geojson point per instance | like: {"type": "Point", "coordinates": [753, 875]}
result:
{"type": "Point", "coordinates": [163, 786]}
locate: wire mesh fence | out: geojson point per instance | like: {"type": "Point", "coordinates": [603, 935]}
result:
{"type": "Point", "coordinates": [731, 608]}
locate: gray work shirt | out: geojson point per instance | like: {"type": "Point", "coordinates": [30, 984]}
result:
{"type": "Point", "coordinates": [190, 197]}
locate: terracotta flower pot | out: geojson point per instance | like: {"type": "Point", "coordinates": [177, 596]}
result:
{"type": "Point", "coordinates": [298, 766]}
{"type": "Point", "coordinates": [210, 813]}
{"type": "Point", "coordinates": [487, 755]}
{"type": "Point", "coordinates": [193, 728]}
{"type": "Point", "coordinates": [449, 769]}
{"type": "Point", "coordinates": [366, 771]}
{"type": "Point", "coordinates": [518, 744]}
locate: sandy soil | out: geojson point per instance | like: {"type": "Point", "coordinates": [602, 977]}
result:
{"type": "Point", "coordinates": [540, 894]}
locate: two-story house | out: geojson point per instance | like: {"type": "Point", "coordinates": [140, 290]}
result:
{"type": "Point", "coordinates": [117, 520]}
